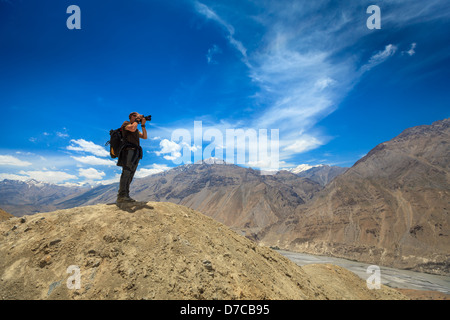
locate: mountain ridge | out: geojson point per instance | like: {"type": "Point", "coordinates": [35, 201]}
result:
{"type": "Point", "coordinates": [31, 196]}
{"type": "Point", "coordinates": [390, 208]}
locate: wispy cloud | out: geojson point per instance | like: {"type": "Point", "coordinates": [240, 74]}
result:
{"type": "Point", "coordinates": [87, 146]}
{"type": "Point", "coordinates": [296, 69]}
{"type": "Point", "coordinates": [308, 56]}
{"type": "Point", "coordinates": [40, 175]}
{"type": "Point", "coordinates": [62, 134]}
{"type": "Point", "coordinates": [94, 161]}
{"type": "Point", "coordinates": [406, 12]}
{"type": "Point", "coordinates": [155, 169]}
{"type": "Point", "coordinates": [230, 31]}
{"type": "Point", "coordinates": [91, 173]}
{"type": "Point", "coordinates": [412, 50]}
{"type": "Point", "coordinates": [379, 57]}
{"type": "Point", "coordinates": [6, 160]}
{"type": "Point", "coordinates": [211, 52]}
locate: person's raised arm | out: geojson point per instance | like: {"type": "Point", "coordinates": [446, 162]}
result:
{"type": "Point", "coordinates": [143, 134]}
{"type": "Point", "coordinates": [132, 127]}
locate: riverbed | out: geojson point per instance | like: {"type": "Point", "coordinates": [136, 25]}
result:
{"type": "Point", "coordinates": [394, 278]}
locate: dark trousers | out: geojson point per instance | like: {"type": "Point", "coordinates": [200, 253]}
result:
{"type": "Point", "coordinates": [128, 171]}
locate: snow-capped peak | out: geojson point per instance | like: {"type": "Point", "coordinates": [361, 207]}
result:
{"type": "Point", "coordinates": [303, 167]}
{"type": "Point", "coordinates": [33, 182]}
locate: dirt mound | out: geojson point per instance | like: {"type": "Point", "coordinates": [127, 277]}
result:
{"type": "Point", "coordinates": [158, 251]}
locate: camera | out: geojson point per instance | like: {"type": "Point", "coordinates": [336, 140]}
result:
{"type": "Point", "coordinates": [148, 118]}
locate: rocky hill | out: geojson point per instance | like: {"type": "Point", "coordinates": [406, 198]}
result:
{"type": "Point", "coordinates": [155, 251]}
{"type": "Point", "coordinates": [391, 208]}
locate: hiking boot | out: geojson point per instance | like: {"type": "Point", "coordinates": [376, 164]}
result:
{"type": "Point", "coordinates": [124, 200]}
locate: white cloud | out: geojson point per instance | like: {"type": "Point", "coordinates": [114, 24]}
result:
{"type": "Point", "coordinates": [94, 161]}
{"type": "Point", "coordinates": [26, 153]}
{"type": "Point", "coordinates": [302, 59]}
{"type": "Point", "coordinates": [379, 57]}
{"type": "Point", "coordinates": [91, 173]}
{"type": "Point", "coordinates": [210, 14]}
{"type": "Point", "coordinates": [321, 84]}
{"type": "Point", "coordinates": [407, 12]}
{"type": "Point", "coordinates": [44, 176]}
{"type": "Point", "coordinates": [157, 168]}
{"type": "Point", "coordinates": [412, 50]}
{"type": "Point", "coordinates": [193, 148]}
{"type": "Point", "coordinates": [171, 158]}
{"type": "Point", "coordinates": [11, 176]}
{"type": "Point", "coordinates": [172, 150]}
{"type": "Point", "coordinates": [13, 161]}
{"type": "Point", "coordinates": [62, 134]}
{"type": "Point", "coordinates": [114, 179]}
{"type": "Point", "coordinates": [87, 146]}
{"type": "Point", "coordinates": [303, 144]}
{"type": "Point", "coordinates": [171, 147]}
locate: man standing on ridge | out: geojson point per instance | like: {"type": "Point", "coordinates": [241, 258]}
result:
{"type": "Point", "coordinates": [130, 154]}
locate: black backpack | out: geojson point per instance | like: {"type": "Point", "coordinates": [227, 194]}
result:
{"type": "Point", "coordinates": [116, 142]}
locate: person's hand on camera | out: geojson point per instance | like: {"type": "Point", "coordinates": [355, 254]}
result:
{"type": "Point", "coordinates": [142, 119]}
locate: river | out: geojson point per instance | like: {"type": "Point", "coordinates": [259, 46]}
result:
{"type": "Point", "coordinates": [395, 278]}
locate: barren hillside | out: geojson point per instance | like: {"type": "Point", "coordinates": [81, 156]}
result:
{"type": "Point", "coordinates": [155, 251]}
{"type": "Point", "coordinates": [391, 208]}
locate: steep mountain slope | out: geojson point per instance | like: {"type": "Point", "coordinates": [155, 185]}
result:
{"type": "Point", "coordinates": [158, 251]}
{"type": "Point", "coordinates": [391, 208]}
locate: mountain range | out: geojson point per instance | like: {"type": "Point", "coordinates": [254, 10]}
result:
{"type": "Point", "coordinates": [216, 176]}
{"type": "Point", "coordinates": [31, 196]}
{"type": "Point", "coordinates": [390, 208]}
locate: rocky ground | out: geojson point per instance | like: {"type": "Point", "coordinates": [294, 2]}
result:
{"type": "Point", "coordinates": [155, 251]}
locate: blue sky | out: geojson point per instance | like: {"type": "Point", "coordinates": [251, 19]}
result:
{"type": "Point", "coordinates": [312, 70]}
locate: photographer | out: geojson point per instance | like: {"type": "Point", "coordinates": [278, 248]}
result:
{"type": "Point", "coordinates": [131, 153]}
